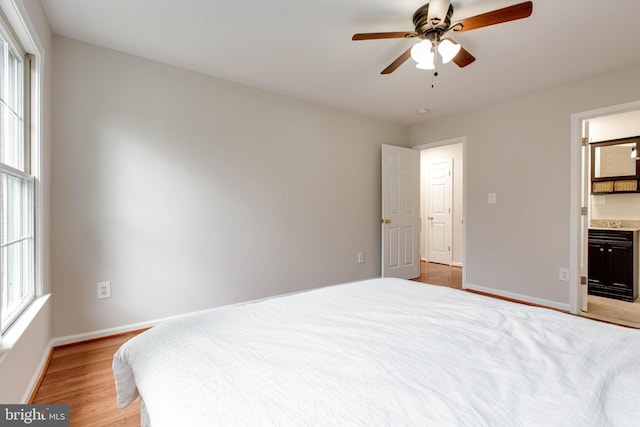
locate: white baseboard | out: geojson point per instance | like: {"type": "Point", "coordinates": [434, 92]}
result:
{"type": "Point", "coordinates": [519, 297]}
{"type": "Point", "coordinates": [453, 263]}
{"type": "Point", "coordinates": [85, 336]}
{"type": "Point", "coordinates": [37, 374]}
{"type": "Point", "coordinates": [72, 339]}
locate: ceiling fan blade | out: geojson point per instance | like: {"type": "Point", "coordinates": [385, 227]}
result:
{"type": "Point", "coordinates": [437, 12]}
{"type": "Point", "coordinates": [392, 35]}
{"type": "Point", "coordinates": [398, 62]}
{"type": "Point", "coordinates": [463, 58]}
{"type": "Point", "coordinates": [506, 14]}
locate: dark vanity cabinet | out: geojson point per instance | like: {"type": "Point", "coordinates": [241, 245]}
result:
{"type": "Point", "coordinates": [613, 264]}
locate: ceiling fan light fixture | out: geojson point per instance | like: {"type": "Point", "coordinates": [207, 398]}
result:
{"type": "Point", "coordinates": [427, 65]}
{"type": "Point", "coordinates": [422, 51]}
{"type": "Point", "coordinates": [433, 20]}
{"type": "Point", "coordinates": [448, 50]}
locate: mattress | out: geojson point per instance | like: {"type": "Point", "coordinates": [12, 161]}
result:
{"type": "Point", "coordinates": [383, 352]}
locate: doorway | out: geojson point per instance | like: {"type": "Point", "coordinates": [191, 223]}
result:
{"type": "Point", "coordinates": [442, 210]}
{"type": "Point", "coordinates": [600, 210]}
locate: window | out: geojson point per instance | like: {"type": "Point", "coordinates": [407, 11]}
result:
{"type": "Point", "coordinates": [17, 251]}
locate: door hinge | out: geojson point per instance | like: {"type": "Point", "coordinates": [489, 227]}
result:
{"type": "Point", "coordinates": [583, 280]}
{"type": "Point", "coordinates": [585, 142]}
{"type": "Point", "coordinates": [584, 210]}
{"type": "Point", "coordinates": [449, 248]}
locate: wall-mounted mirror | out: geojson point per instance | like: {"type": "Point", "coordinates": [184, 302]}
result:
{"type": "Point", "coordinates": [614, 160]}
{"type": "Point", "coordinates": [615, 167]}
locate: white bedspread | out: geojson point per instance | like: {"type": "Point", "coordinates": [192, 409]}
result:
{"type": "Point", "coordinates": [383, 352]}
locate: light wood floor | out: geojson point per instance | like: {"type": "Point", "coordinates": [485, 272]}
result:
{"type": "Point", "coordinates": [440, 274]}
{"type": "Point", "coordinates": [613, 310]}
{"type": "Point", "coordinates": [80, 375]}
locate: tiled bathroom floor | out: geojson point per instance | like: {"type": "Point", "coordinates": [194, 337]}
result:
{"type": "Point", "coordinates": [613, 310]}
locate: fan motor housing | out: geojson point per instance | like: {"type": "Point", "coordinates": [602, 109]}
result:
{"type": "Point", "coordinates": [431, 30]}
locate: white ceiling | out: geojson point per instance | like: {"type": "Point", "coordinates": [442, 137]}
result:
{"type": "Point", "coordinates": [303, 48]}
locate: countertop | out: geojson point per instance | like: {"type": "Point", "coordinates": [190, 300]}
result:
{"type": "Point", "coordinates": [615, 228]}
{"type": "Point", "coordinates": [618, 224]}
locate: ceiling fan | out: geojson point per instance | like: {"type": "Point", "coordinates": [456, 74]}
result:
{"type": "Point", "coordinates": [432, 21]}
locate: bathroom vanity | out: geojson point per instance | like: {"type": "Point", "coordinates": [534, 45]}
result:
{"type": "Point", "coordinates": [613, 263]}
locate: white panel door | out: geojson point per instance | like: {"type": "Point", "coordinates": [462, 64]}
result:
{"type": "Point", "coordinates": [400, 212]}
{"type": "Point", "coordinates": [439, 212]}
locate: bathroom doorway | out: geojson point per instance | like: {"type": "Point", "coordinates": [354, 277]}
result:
{"type": "Point", "coordinates": [600, 209]}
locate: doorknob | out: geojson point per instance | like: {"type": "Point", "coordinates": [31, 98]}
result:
{"type": "Point", "coordinates": [386, 221]}
{"type": "Point", "coordinates": [430, 218]}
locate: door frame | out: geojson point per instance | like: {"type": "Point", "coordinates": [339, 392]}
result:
{"type": "Point", "coordinates": [576, 231]}
{"type": "Point", "coordinates": [465, 161]}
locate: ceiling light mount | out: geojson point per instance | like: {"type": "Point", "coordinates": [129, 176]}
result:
{"type": "Point", "coordinates": [424, 25]}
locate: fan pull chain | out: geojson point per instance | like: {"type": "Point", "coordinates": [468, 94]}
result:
{"type": "Point", "coordinates": [433, 77]}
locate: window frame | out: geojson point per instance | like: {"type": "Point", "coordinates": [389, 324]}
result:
{"type": "Point", "coordinates": [30, 207]}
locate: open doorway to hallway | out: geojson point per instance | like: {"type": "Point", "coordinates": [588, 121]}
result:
{"type": "Point", "coordinates": [442, 195]}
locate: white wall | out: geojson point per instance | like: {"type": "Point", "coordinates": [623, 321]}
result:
{"type": "Point", "coordinates": [21, 365]}
{"type": "Point", "coordinates": [614, 126]}
{"type": "Point", "coordinates": [433, 155]}
{"type": "Point", "coordinates": [616, 206]}
{"type": "Point", "coordinates": [189, 192]}
{"type": "Point", "coordinates": [519, 149]}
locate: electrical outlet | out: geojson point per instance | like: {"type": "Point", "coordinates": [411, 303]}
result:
{"type": "Point", "coordinates": [563, 274]}
{"type": "Point", "coordinates": [104, 290]}
{"type": "Point", "coordinates": [492, 198]}
{"type": "Point", "coordinates": [360, 257]}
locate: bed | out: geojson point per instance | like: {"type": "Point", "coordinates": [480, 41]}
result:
{"type": "Point", "coordinates": [382, 352]}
